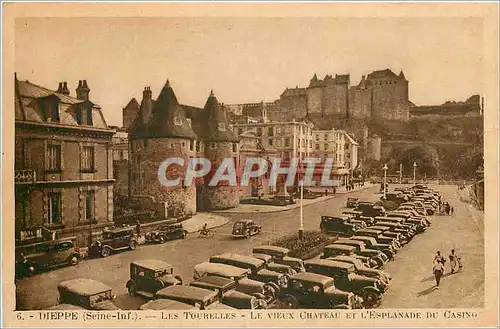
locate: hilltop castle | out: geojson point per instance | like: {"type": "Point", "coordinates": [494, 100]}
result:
{"type": "Point", "coordinates": [381, 95]}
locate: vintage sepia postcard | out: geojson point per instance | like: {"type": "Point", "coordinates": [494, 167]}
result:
{"type": "Point", "coordinates": [250, 164]}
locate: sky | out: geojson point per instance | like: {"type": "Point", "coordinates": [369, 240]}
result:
{"type": "Point", "coordinates": [246, 59]}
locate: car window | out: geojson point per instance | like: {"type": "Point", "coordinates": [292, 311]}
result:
{"type": "Point", "coordinates": [64, 246]}
{"type": "Point", "coordinates": [42, 248]}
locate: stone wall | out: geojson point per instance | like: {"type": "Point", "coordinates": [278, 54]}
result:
{"type": "Point", "coordinates": [146, 158]}
{"type": "Point", "coordinates": [121, 176]}
{"type": "Point", "coordinates": [390, 101]}
{"type": "Point", "coordinates": [335, 99]}
{"type": "Point", "coordinates": [360, 103]}
{"type": "Point", "coordinates": [314, 100]}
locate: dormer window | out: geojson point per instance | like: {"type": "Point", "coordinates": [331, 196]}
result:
{"type": "Point", "coordinates": [178, 121]}
{"type": "Point", "coordinates": [84, 116]}
{"type": "Point", "coordinates": [50, 108]}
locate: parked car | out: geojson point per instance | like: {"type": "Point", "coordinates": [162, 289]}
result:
{"type": "Point", "coordinates": [361, 269]}
{"type": "Point", "coordinates": [371, 209]}
{"type": "Point", "coordinates": [375, 255]}
{"type": "Point", "coordinates": [276, 267]}
{"type": "Point", "coordinates": [227, 293]}
{"type": "Point", "coordinates": [370, 289]}
{"type": "Point", "coordinates": [256, 266]}
{"type": "Point", "coordinates": [372, 243]}
{"type": "Point", "coordinates": [34, 257]}
{"type": "Point", "coordinates": [318, 292]}
{"type": "Point", "coordinates": [87, 293]}
{"type": "Point", "coordinates": [166, 304]}
{"type": "Point", "coordinates": [147, 276]}
{"type": "Point", "coordinates": [353, 213]}
{"type": "Point", "coordinates": [368, 220]}
{"type": "Point", "coordinates": [410, 227]}
{"type": "Point", "coordinates": [353, 218]}
{"type": "Point", "coordinates": [115, 239]}
{"type": "Point", "coordinates": [246, 228]}
{"type": "Point", "coordinates": [339, 225]}
{"type": "Point", "coordinates": [202, 299]}
{"type": "Point", "coordinates": [395, 197]}
{"type": "Point", "coordinates": [266, 291]}
{"type": "Point", "coordinates": [352, 202]}
{"type": "Point", "coordinates": [390, 232]}
{"type": "Point", "coordinates": [333, 250]}
{"type": "Point", "coordinates": [167, 232]}
{"type": "Point", "coordinates": [380, 237]}
{"type": "Point", "coordinates": [281, 256]}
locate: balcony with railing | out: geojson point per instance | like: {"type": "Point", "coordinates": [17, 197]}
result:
{"type": "Point", "coordinates": [24, 176]}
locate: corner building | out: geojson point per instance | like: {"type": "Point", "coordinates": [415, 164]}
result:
{"type": "Point", "coordinates": [160, 131]}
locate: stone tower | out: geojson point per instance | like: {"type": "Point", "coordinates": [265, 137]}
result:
{"type": "Point", "coordinates": [162, 131]}
{"type": "Point", "coordinates": [219, 143]}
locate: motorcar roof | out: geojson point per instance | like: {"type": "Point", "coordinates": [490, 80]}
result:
{"type": "Point", "coordinates": [271, 248]}
{"type": "Point", "coordinates": [245, 221]}
{"type": "Point", "coordinates": [212, 281]}
{"type": "Point", "coordinates": [240, 258]}
{"type": "Point", "coordinates": [344, 258]}
{"type": "Point", "coordinates": [152, 264]}
{"type": "Point", "coordinates": [346, 241]}
{"type": "Point", "coordinates": [84, 287]}
{"type": "Point", "coordinates": [312, 277]}
{"type": "Point", "coordinates": [329, 262]}
{"type": "Point", "coordinates": [165, 304]}
{"type": "Point", "coordinates": [190, 292]}
{"type": "Point", "coordinates": [119, 229]}
{"type": "Point", "coordinates": [220, 269]}
{"type": "Point", "coordinates": [379, 227]}
{"type": "Point", "coordinates": [352, 198]}
{"type": "Point", "coordinates": [33, 244]}
{"type": "Point", "coordinates": [370, 230]}
{"type": "Point", "coordinates": [388, 218]}
{"type": "Point", "coordinates": [352, 212]}
{"type": "Point", "coordinates": [363, 237]}
{"type": "Point", "coordinates": [265, 257]}
{"type": "Point", "coordinates": [340, 247]}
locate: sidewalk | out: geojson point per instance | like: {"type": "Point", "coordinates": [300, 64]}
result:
{"type": "Point", "coordinates": [250, 209]}
{"type": "Point", "coordinates": [196, 222]}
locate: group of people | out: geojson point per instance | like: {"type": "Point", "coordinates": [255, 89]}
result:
{"type": "Point", "coordinates": [438, 265]}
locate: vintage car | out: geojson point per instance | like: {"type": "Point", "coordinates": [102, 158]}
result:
{"type": "Point", "coordinates": [318, 292]}
{"type": "Point", "coordinates": [166, 232]}
{"type": "Point", "coordinates": [353, 213]}
{"type": "Point", "coordinates": [372, 243]}
{"type": "Point", "coordinates": [281, 256]}
{"type": "Point", "coordinates": [369, 209]}
{"type": "Point", "coordinates": [333, 250]}
{"type": "Point", "coordinates": [389, 232]}
{"type": "Point", "coordinates": [276, 267]}
{"type": "Point", "coordinates": [245, 228]}
{"type": "Point", "coordinates": [228, 295]}
{"type": "Point", "coordinates": [375, 255]}
{"type": "Point", "coordinates": [352, 202]}
{"type": "Point", "coordinates": [412, 228]}
{"type": "Point", "coordinates": [380, 237]}
{"type": "Point", "coordinates": [147, 276]}
{"type": "Point", "coordinates": [202, 299]}
{"type": "Point", "coordinates": [370, 289]}
{"type": "Point", "coordinates": [87, 293]}
{"type": "Point", "coordinates": [262, 290]}
{"type": "Point", "coordinates": [34, 257]}
{"type": "Point", "coordinates": [256, 266]}
{"type": "Point", "coordinates": [395, 197]}
{"type": "Point", "coordinates": [353, 217]}
{"type": "Point", "coordinates": [406, 232]}
{"type": "Point", "coordinates": [361, 269]}
{"type": "Point", "coordinates": [422, 222]}
{"type": "Point", "coordinates": [340, 225]}
{"type": "Point", "coordinates": [368, 220]}
{"type": "Point", "coordinates": [166, 304]}
{"type": "Point", "coordinates": [115, 239]}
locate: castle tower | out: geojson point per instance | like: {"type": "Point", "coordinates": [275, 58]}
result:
{"type": "Point", "coordinates": [166, 133]}
{"type": "Point", "coordinates": [219, 143]}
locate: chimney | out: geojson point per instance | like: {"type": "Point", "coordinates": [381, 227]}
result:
{"type": "Point", "coordinates": [65, 90]}
{"type": "Point", "coordinates": [60, 88]}
{"type": "Point", "coordinates": [82, 92]}
{"type": "Point", "coordinates": [147, 94]}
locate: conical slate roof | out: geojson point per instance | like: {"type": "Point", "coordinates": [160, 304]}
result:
{"type": "Point", "coordinates": [215, 127]}
{"type": "Point", "coordinates": [168, 119]}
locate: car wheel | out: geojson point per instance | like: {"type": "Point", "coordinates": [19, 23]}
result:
{"type": "Point", "coordinates": [105, 251]}
{"type": "Point", "coordinates": [131, 288]}
{"type": "Point", "coordinates": [247, 234]}
{"type": "Point", "coordinates": [162, 239]}
{"type": "Point", "coordinates": [380, 262]}
{"type": "Point", "coordinates": [73, 260]}
{"type": "Point", "coordinates": [340, 306]}
{"type": "Point", "coordinates": [370, 298]}
{"type": "Point", "coordinates": [289, 302]}
{"type": "Point", "coordinates": [133, 245]}
{"type": "Point", "coordinates": [389, 254]}
{"type": "Point", "coordinates": [31, 269]}
{"type": "Point", "coordinates": [178, 277]}
{"type": "Point", "coordinates": [184, 234]}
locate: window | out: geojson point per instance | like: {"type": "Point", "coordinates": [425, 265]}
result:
{"type": "Point", "coordinates": [198, 145]}
{"type": "Point", "coordinates": [54, 208]}
{"type": "Point", "coordinates": [317, 137]}
{"type": "Point", "coordinates": [177, 121]}
{"type": "Point", "coordinates": [88, 158]}
{"type": "Point", "coordinates": [89, 205]}
{"type": "Point", "coordinates": [346, 146]}
{"type": "Point", "coordinates": [326, 147]}
{"type": "Point", "coordinates": [325, 137]}
{"type": "Point", "coordinates": [270, 142]}
{"type": "Point", "coordinates": [270, 132]}
{"type": "Point", "coordinates": [317, 147]}
{"type": "Point", "coordinates": [287, 141]}
{"type": "Point", "coordinates": [310, 143]}
{"type": "Point", "coordinates": [235, 147]}
{"type": "Point", "coordinates": [51, 110]}
{"type": "Point", "coordinates": [85, 116]}
{"type": "Point", "coordinates": [240, 131]}
{"type": "Point", "coordinates": [259, 132]}
{"type": "Point", "coordinates": [54, 157]}
{"type": "Point", "coordinates": [191, 145]}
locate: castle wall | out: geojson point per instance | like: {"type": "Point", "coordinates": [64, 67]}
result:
{"type": "Point", "coordinates": [335, 98]}
{"type": "Point", "coordinates": [360, 103]}
{"type": "Point", "coordinates": [146, 157]}
{"type": "Point", "coordinates": [390, 100]}
{"type": "Point", "coordinates": [129, 115]}
{"type": "Point", "coordinates": [288, 108]}
{"type": "Point", "coordinates": [223, 195]}
{"type": "Point", "coordinates": [314, 100]}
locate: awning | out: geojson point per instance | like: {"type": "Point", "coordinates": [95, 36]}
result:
{"type": "Point", "coordinates": [340, 171]}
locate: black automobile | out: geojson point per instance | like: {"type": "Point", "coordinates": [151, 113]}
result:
{"type": "Point", "coordinates": [375, 255]}
{"type": "Point", "coordinates": [340, 225]}
{"type": "Point", "coordinates": [167, 232]}
{"type": "Point", "coordinates": [380, 237]}
{"type": "Point", "coordinates": [372, 243]}
{"type": "Point", "coordinates": [115, 239]}
{"type": "Point", "coordinates": [370, 209]}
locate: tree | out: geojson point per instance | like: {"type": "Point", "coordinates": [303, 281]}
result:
{"type": "Point", "coordinates": [426, 158]}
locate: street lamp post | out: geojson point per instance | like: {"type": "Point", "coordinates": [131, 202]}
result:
{"type": "Point", "coordinates": [414, 173]}
{"type": "Point", "coordinates": [301, 228]}
{"type": "Point", "coordinates": [400, 173]}
{"type": "Point", "coordinates": [385, 178]}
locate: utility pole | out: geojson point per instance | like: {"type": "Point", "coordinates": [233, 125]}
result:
{"type": "Point", "coordinates": [414, 173]}
{"type": "Point", "coordinates": [400, 173]}
{"type": "Point", "coordinates": [301, 228]}
{"type": "Point", "coordinates": [385, 179]}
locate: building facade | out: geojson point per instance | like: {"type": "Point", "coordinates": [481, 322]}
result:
{"type": "Point", "coordinates": [63, 163]}
{"type": "Point", "coordinates": [120, 162]}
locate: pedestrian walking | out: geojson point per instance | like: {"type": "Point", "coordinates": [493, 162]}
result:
{"type": "Point", "coordinates": [439, 258]}
{"type": "Point", "coordinates": [438, 269]}
{"type": "Point", "coordinates": [334, 190]}
{"type": "Point", "coordinates": [455, 261]}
